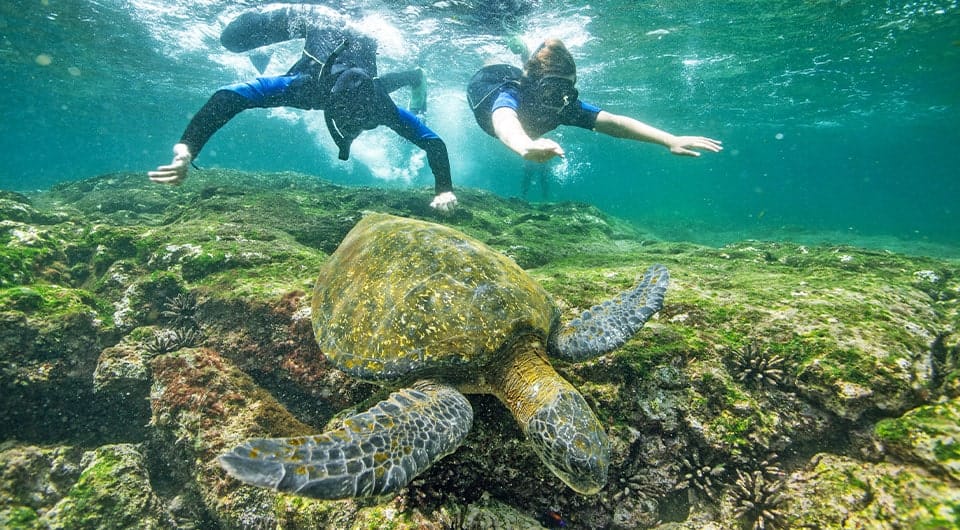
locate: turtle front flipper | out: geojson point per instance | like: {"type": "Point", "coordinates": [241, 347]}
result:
{"type": "Point", "coordinates": [373, 453]}
{"type": "Point", "coordinates": [607, 326]}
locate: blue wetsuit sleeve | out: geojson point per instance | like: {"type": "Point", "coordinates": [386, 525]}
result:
{"type": "Point", "coordinates": [230, 100]}
{"type": "Point", "coordinates": [277, 91]}
{"type": "Point", "coordinates": [505, 98]}
{"type": "Point", "coordinates": [413, 129]}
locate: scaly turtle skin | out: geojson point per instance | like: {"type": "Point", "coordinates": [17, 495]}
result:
{"type": "Point", "coordinates": [426, 309]}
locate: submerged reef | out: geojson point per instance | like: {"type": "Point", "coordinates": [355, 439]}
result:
{"type": "Point", "coordinates": [144, 329]}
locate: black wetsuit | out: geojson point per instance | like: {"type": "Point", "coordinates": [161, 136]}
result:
{"type": "Point", "coordinates": [304, 86]}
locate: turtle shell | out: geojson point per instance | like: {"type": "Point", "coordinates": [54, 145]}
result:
{"type": "Point", "coordinates": [403, 298]}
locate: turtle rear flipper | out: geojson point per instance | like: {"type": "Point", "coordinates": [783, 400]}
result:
{"type": "Point", "coordinates": [607, 326]}
{"type": "Point", "coordinates": [373, 453]}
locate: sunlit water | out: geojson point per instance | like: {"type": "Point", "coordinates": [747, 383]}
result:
{"type": "Point", "coordinates": [839, 118]}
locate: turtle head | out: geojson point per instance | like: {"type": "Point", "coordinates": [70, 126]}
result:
{"type": "Point", "coordinates": [570, 441]}
{"type": "Point", "coordinates": [555, 418]}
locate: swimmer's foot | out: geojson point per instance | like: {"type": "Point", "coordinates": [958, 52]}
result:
{"type": "Point", "coordinates": [517, 46]}
{"type": "Point", "coordinates": [418, 95]}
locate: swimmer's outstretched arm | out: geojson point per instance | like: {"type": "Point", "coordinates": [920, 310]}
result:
{"type": "Point", "coordinates": [175, 172]}
{"type": "Point", "coordinates": [507, 125]}
{"type": "Point", "coordinates": [625, 127]}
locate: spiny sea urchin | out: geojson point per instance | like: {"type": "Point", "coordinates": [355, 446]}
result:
{"type": "Point", "coordinates": [701, 474]}
{"type": "Point", "coordinates": [163, 341]}
{"type": "Point", "coordinates": [758, 501]}
{"type": "Point", "coordinates": [169, 340]}
{"type": "Point", "coordinates": [181, 311]}
{"type": "Point", "coordinates": [755, 366]}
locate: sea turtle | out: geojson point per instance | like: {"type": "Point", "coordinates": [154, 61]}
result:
{"type": "Point", "coordinates": [426, 309]}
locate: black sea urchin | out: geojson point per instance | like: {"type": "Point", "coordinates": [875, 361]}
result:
{"type": "Point", "coordinates": [181, 311]}
{"type": "Point", "coordinates": [701, 474]}
{"type": "Point", "coordinates": [756, 366]}
{"type": "Point", "coordinates": [162, 342]}
{"type": "Point", "coordinates": [170, 340]}
{"type": "Point", "coordinates": [757, 501]}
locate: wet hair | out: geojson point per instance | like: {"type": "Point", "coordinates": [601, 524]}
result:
{"type": "Point", "coordinates": [550, 59]}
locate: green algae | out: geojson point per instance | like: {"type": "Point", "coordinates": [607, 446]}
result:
{"type": "Point", "coordinates": [16, 264]}
{"type": "Point", "coordinates": [112, 492]}
{"type": "Point", "coordinates": [44, 301]}
{"type": "Point", "coordinates": [20, 518]}
{"type": "Point", "coordinates": [82, 506]}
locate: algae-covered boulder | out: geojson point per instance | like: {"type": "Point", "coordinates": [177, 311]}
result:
{"type": "Point", "coordinates": [122, 378]}
{"type": "Point", "coordinates": [840, 492]}
{"type": "Point", "coordinates": [33, 479]}
{"type": "Point", "coordinates": [928, 435]}
{"type": "Point", "coordinates": [65, 487]}
{"type": "Point", "coordinates": [201, 403]}
{"type": "Point", "coordinates": [17, 208]}
{"type": "Point", "coordinates": [112, 491]}
{"type": "Point", "coordinates": [490, 513]}
{"type": "Point", "coordinates": [50, 338]}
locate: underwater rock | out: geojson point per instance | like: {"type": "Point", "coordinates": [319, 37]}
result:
{"type": "Point", "coordinates": [112, 491]}
{"type": "Point", "coordinates": [276, 343]}
{"type": "Point", "coordinates": [928, 435]}
{"type": "Point", "coordinates": [137, 298]}
{"type": "Point", "coordinates": [48, 352]}
{"type": "Point", "coordinates": [200, 402]}
{"type": "Point", "coordinates": [33, 479]}
{"type": "Point", "coordinates": [64, 487]}
{"type": "Point", "coordinates": [840, 492]}
{"type": "Point", "coordinates": [491, 513]}
{"type": "Point", "coordinates": [122, 370]}
{"type": "Point", "coordinates": [16, 208]}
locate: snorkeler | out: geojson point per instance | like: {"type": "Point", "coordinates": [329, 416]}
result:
{"type": "Point", "coordinates": [519, 106]}
{"type": "Point", "coordinates": [337, 73]}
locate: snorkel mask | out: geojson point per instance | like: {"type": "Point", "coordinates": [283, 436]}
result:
{"type": "Point", "coordinates": [555, 92]}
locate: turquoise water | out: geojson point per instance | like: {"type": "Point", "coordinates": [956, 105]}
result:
{"type": "Point", "coordinates": [839, 118]}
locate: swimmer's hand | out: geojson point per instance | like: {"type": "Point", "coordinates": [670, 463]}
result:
{"type": "Point", "coordinates": [445, 202]}
{"type": "Point", "coordinates": [175, 172]}
{"type": "Point", "coordinates": [542, 150]}
{"type": "Point", "coordinates": [685, 145]}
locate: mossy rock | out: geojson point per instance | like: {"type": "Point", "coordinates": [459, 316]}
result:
{"type": "Point", "coordinates": [840, 492]}
{"type": "Point", "coordinates": [113, 491]}
{"type": "Point", "coordinates": [34, 477]}
{"type": "Point", "coordinates": [929, 435]}
{"type": "Point", "coordinates": [200, 402]}
{"type": "Point", "coordinates": [19, 208]}
{"type": "Point", "coordinates": [65, 487]}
